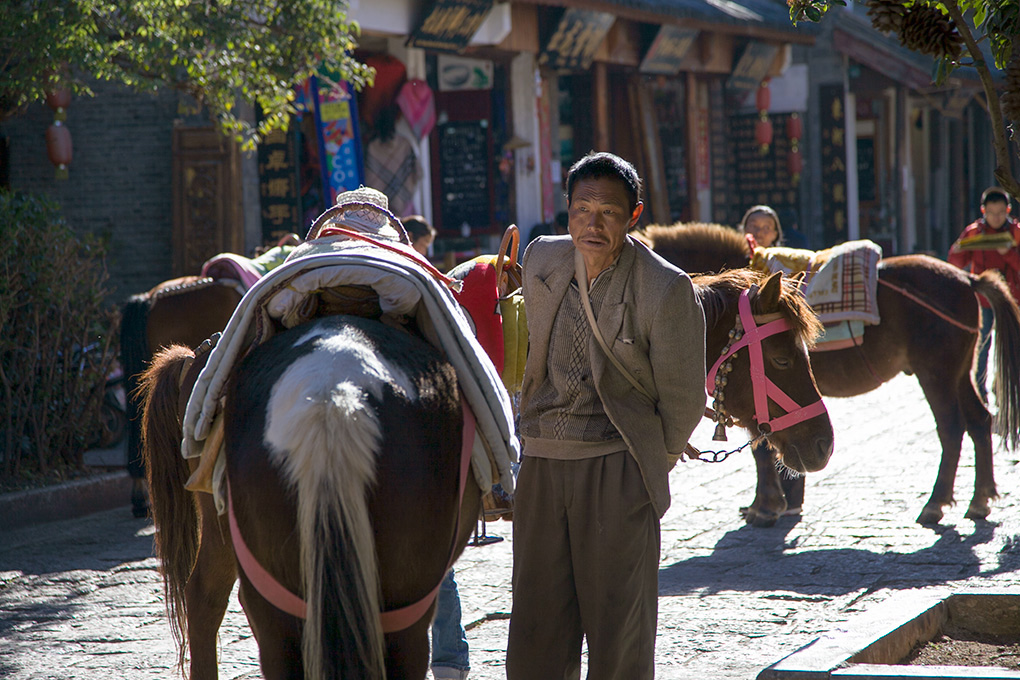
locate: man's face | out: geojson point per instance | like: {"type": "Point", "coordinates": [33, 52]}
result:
{"type": "Point", "coordinates": [599, 218]}
{"type": "Point", "coordinates": [995, 213]}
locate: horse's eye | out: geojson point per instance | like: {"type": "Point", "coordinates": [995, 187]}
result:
{"type": "Point", "coordinates": [782, 363]}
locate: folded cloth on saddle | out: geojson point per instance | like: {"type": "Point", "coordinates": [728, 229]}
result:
{"type": "Point", "coordinates": [840, 283]}
{"type": "Point", "coordinates": [406, 291]}
{"type": "Point", "coordinates": [987, 241]}
{"type": "Point", "coordinates": [839, 335]}
{"type": "Point", "coordinates": [244, 269]}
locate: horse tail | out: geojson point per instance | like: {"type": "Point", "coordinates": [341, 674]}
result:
{"type": "Point", "coordinates": [134, 353]}
{"type": "Point", "coordinates": [1007, 353]}
{"type": "Point", "coordinates": [329, 436]}
{"type": "Point", "coordinates": [174, 510]}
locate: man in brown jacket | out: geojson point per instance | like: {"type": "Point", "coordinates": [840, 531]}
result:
{"type": "Point", "coordinates": [594, 479]}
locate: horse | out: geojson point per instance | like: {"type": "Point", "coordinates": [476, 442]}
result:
{"type": "Point", "coordinates": [929, 328]}
{"type": "Point", "coordinates": [410, 511]}
{"type": "Point", "coordinates": [185, 310]}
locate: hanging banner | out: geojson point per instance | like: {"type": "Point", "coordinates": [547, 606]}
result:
{"type": "Point", "coordinates": [834, 192]}
{"type": "Point", "coordinates": [278, 188]}
{"type": "Point", "coordinates": [449, 25]}
{"type": "Point", "coordinates": [334, 108]}
{"type": "Point", "coordinates": [667, 51]}
{"type": "Point", "coordinates": [577, 37]}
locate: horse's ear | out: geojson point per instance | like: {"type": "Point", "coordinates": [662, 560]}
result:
{"type": "Point", "coordinates": [768, 296]}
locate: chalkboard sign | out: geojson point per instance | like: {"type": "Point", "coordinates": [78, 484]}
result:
{"type": "Point", "coordinates": [866, 168]}
{"type": "Point", "coordinates": [761, 178]}
{"type": "Point", "coordinates": [464, 175]}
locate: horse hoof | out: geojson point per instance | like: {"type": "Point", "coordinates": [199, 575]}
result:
{"type": "Point", "coordinates": [792, 512]}
{"type": "Point", "coordinates": [930, 516]}
{"type": "Point", "coordinates": [977, 512]}
{"type": "Point", "coordinates": [757, 518]}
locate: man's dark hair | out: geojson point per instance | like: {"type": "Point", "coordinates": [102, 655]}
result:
{"type": "Point", "coordinates": [416, 226]}
{"type": "Point", "coordinates": [604, 164]}
{"type": "Point", "coordinates": [995, 195]}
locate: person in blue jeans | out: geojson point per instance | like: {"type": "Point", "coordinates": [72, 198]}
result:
{"type": "Point", "coordinates": [449, 641]}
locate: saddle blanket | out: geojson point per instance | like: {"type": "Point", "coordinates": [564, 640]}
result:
{"type": "Point", "coordinates": [840, 283]}
{"type": "Point", "coordinates": [406, 292]}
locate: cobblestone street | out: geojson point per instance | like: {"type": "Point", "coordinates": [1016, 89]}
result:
{"type": "Point", "coordinates": [81, 598]}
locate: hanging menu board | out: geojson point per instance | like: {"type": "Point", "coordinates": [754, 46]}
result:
{"type": "Point", "coordinates": [760, 178]}
{"type": "Point", "coordinates": [464, 176]}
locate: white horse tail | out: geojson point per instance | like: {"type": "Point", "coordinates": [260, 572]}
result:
{"type": "Point", "coordinates": [324, 434]}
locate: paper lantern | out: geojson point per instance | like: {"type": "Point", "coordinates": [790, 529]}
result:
{"type": "Point", "coordinates": [795, 164]}
{"type": "Point", "coordinates": [794, 127]}
{"type": "Point", "coordinates": [58, 147]}
{"type": "Point", "coordinates": [763, 133]}
{"type": "Point", "coordinates": [763, 98]}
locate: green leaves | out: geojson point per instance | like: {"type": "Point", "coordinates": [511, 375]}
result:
{"type": "Point", "coordinates": [216, 52]}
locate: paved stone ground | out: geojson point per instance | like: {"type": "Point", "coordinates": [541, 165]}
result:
{"type": "Point", "coordinates": [81, 598]}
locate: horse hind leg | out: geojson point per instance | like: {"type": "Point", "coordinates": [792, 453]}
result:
{"type": "Point", "coordinates": [979, 427]}
{"type": "Point", "coordinates": [945, 406]}
{"type": "Point", "coordinates": [207, 592]}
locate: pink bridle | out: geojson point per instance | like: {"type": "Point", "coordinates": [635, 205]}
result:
{"type": "Point", "coordinates": [762, 386]}
{"type": "Point", "coordinates": [392, 621]}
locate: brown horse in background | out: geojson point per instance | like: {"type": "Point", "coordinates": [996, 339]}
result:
{"type": "Point", "coordinates": [194, 545]}
{"type": "Point", "coordinates": [929, 328]}
{"type": "Point", "coordinates": [183, 311]}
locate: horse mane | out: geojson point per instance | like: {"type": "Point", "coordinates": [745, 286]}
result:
{"type": "Point", "coordinates": [697, 247]}
{"type": "Point", "coordinates": [717, 292]}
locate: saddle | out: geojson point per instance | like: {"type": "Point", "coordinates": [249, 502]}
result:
{"type": "Point", "coordinates": [840, 284]}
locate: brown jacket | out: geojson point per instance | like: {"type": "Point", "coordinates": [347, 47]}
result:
{"type": "Point", "coordinates": [653, 321]}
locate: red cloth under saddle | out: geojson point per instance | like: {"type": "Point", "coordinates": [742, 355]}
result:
{"type": "Point", "coordinates": [480, 298]}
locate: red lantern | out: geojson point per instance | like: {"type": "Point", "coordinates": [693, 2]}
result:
{"type": "Point", "coordinates": [763, 98]}
{"type": "Point", "coordinates": [794, 127]}
{"type": "Point", "coordinates": [795, 164]}
{"type": "Point", "coordinates": [58, 99]}
{"type": "Point", "coordinates": [58, 147]}
{"type": "Point", "coordinates": [763, 133]}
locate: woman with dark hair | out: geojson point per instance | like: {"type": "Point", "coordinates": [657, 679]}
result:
{"type": "Point", "coordinates": [762, 222]}
{"type": "Point", "coordinates": [421, 233]}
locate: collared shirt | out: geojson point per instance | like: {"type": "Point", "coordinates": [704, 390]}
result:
{"type": "Point", "coordinates": [566, 418]}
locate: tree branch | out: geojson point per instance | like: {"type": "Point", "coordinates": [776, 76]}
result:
{"type": "Point", "coordinates": [999, 140]}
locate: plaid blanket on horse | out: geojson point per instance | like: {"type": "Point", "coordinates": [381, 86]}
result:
{"type": "Point", "coordinates": [840, 283]}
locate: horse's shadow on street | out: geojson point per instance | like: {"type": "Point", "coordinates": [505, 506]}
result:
{"type": "Point", "coordinates": [751, 559]}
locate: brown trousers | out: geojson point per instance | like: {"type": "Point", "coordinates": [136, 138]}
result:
{"type": "Point", "coordinates": [586, 563]}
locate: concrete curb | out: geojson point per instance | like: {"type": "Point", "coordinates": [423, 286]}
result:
{"type": "Point", "coordinates": [64, 501]}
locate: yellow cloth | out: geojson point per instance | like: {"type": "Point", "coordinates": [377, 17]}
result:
{"type": "Point", "coordinates": [515, 341]}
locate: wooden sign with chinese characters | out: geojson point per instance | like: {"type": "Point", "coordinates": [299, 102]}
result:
{"type": "Point", "coordinates": [760, 178]}
{"type": "Point", "coordinates": [834, 199]}
{"type": "Point", "coordinates": [751, 68]}
{"type": "Point", "coordinates": [278, 194]}
{"type": "Point", "coordinates": [577, 37]}
{"type": "Point", "coordinates": [668, 49]}
{"type": "Point", "coordinates": [449, 25]}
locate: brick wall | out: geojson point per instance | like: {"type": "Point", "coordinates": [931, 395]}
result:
{"type": "Point", "coordinates": [120, 177]}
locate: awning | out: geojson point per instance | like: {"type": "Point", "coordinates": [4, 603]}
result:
{"type": "Point", "coordinates": [855, 37]}
{"type": "Point", "coordinates": [749, 17]}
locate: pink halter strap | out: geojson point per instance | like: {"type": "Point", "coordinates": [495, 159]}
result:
{"type": "Point", "coordinates": [392, 621]}
{"type": "Point", "coordinates": [764, 389]}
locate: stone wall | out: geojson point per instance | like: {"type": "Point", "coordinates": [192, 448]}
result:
{"type": "Point", "coordinates": [120, 177]}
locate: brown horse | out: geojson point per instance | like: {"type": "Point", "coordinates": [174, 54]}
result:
{"type": "Point", "coordinates": [930, 316]}
{"type": "Point", "coordinates": [185, 311]}
{"type": "Point", "coordinates": [410, 504]}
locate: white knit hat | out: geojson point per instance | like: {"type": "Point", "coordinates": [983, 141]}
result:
{"type": "Point", "coordinates": [364, 210]}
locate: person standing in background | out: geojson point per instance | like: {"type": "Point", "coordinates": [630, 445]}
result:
{"type": "Point", "coordinates": [995, 220]}
{"type": "Point", "coordinates": [391, 165]}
